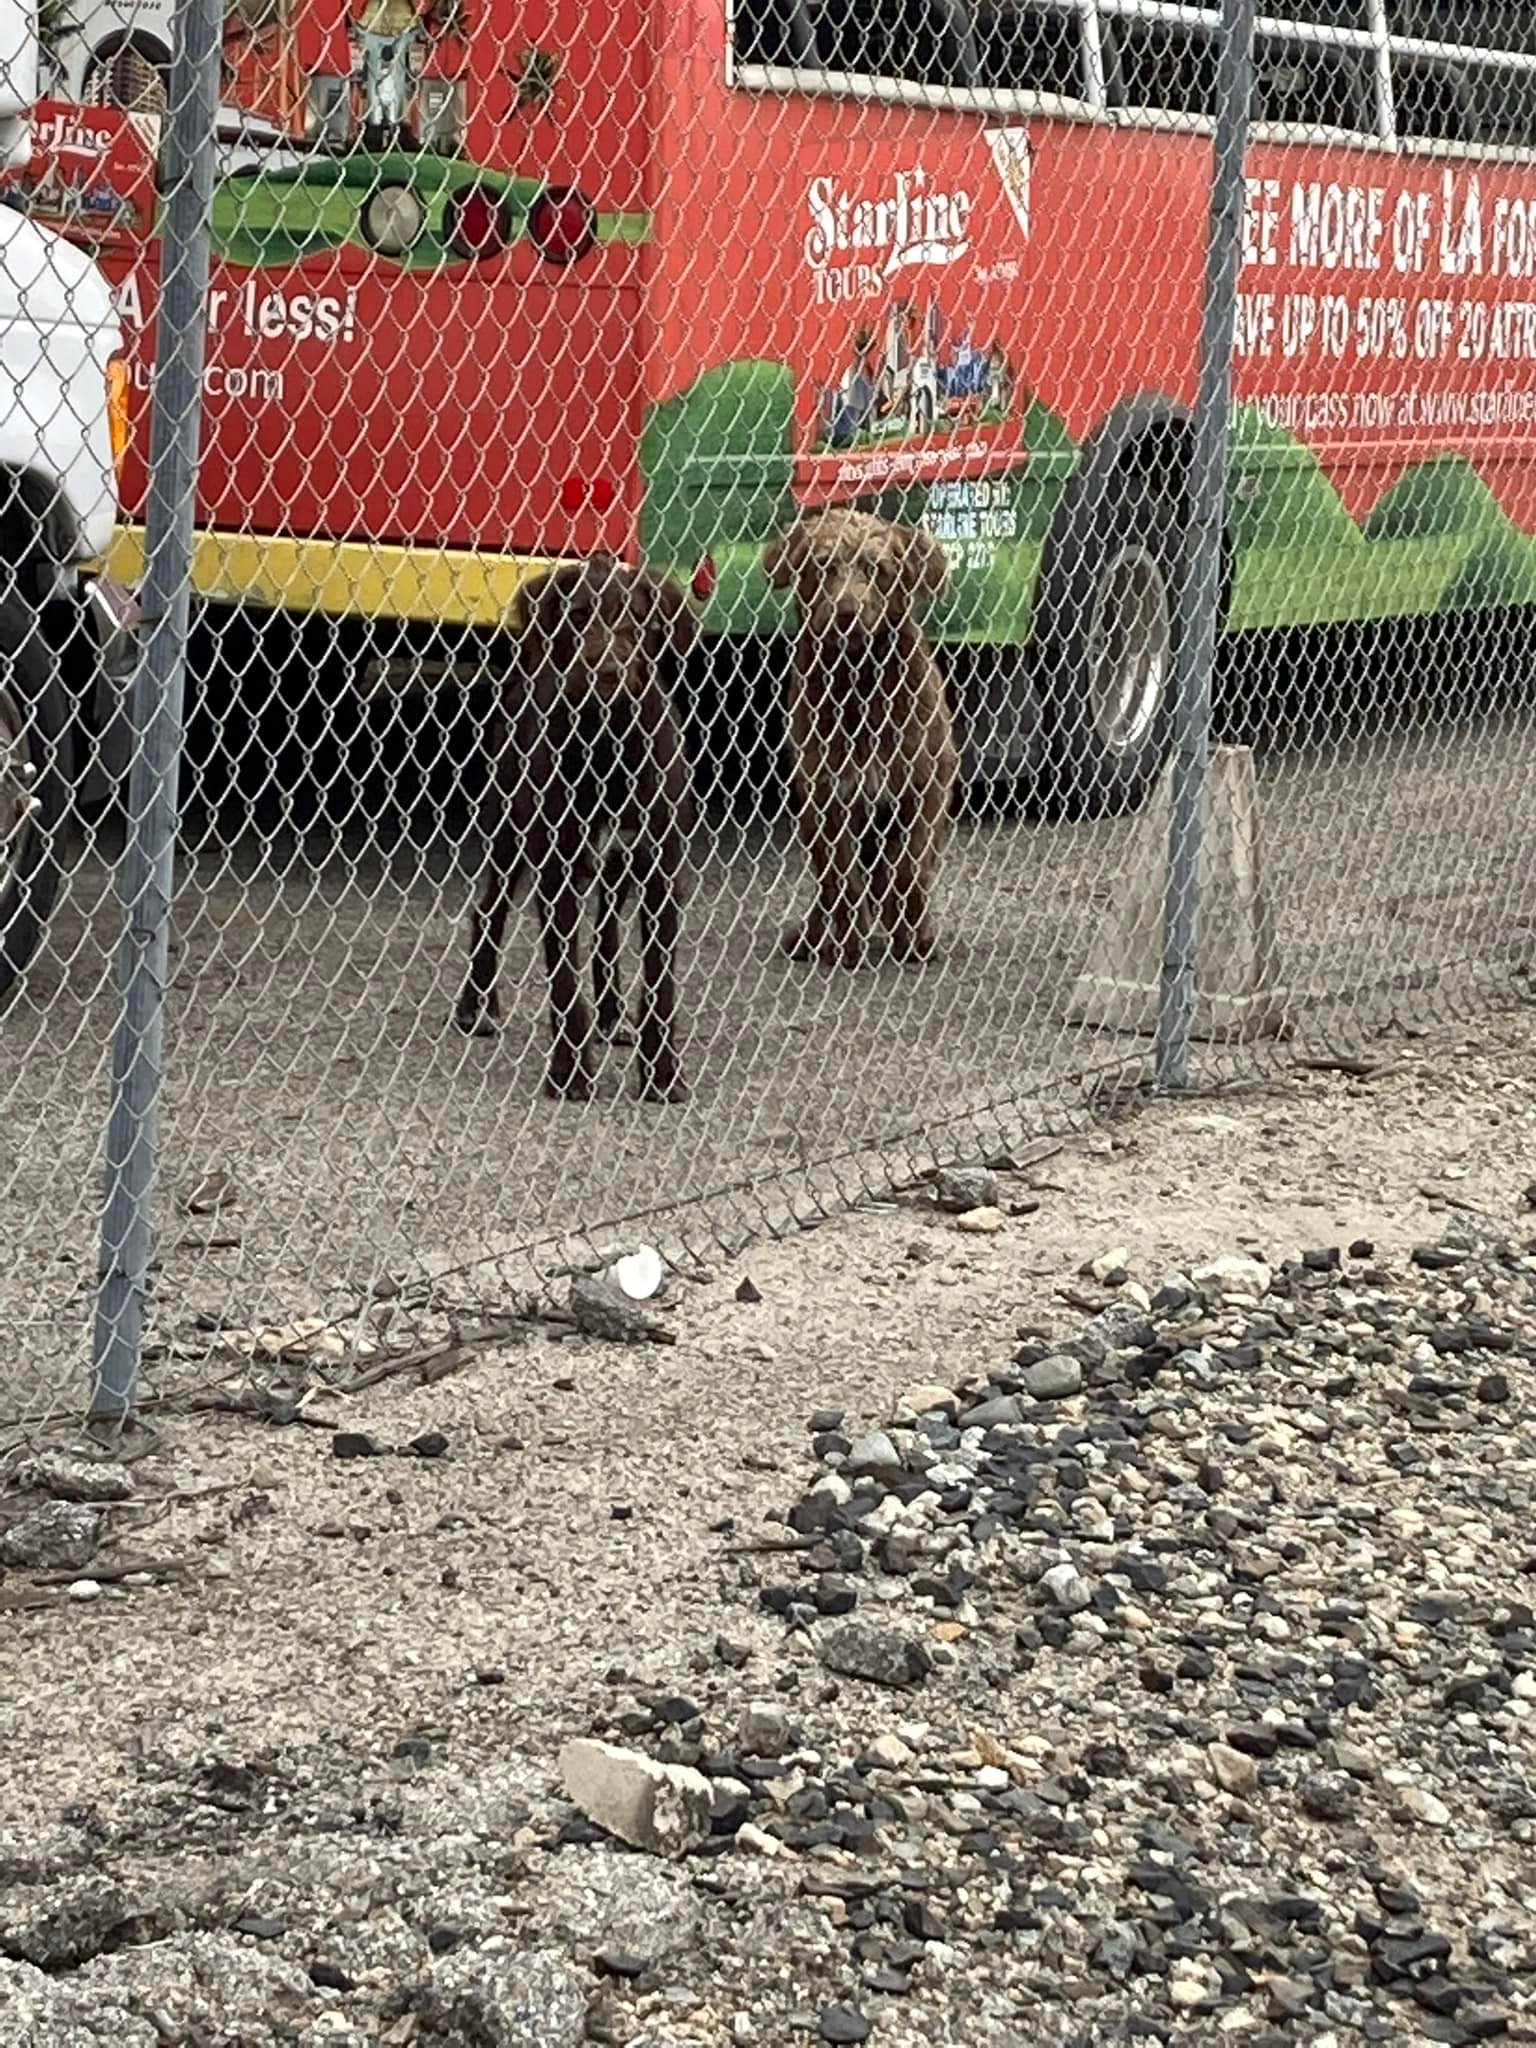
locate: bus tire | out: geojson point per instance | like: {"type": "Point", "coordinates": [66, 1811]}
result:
{"type": "Point", "coordinates": [34, 788]}
{"type": "Point", "coordinates": [997, 728]}
{"type": "Point", "coordinates": [1106, 628]}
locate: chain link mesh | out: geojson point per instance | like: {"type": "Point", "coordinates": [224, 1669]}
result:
{"type": "Point", "coordinates": [870, 335]}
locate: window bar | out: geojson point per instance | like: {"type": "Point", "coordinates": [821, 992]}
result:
{"type": "Point", "coordinates": [1386, 111]}
{"type": "Point", "coordinates": [956, 38]}
{"type": "Point", "coordinates": [1094, 92]}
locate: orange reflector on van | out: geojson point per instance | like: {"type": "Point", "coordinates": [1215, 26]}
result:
{"type": "Point", "coordinates": [119, 421]}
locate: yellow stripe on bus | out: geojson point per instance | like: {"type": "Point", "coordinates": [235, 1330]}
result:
{"type": "Point", "coordinates": [342, 578]}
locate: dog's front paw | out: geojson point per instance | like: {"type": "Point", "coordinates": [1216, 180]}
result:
{"type": "Point", "coordinates": [910, 947]}
{"type": "Point", "coordinates": [846, 950]}
{"type": "Point", "coordinates": [475, 1018]}
{"type": "Point", "coordinates": [569, 1080]}
{"type": "Point", "coordinates": [660, 1076]}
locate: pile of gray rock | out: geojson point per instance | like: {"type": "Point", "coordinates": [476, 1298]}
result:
{"type": "Point", "coordinates": [1227, 1598]}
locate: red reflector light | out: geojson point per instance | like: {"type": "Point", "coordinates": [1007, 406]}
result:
{"type": "Point", "coordinates": [562, 223]}
{"type": "Point", "coordinates": [477, 222]}
{"type": "Point", "coordinates": [597, 491]}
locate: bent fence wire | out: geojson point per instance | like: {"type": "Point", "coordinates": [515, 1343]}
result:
{"type": "Point", "coordinates": [489, 289]}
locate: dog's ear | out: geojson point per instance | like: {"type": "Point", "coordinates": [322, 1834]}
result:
{"type": "Point", "coordinates": [783, 561]}
{"type": "Point", "coordinates": [535, 651]}
{"type": "Point", "coordinates": [671, 625]}
{"type": "Point", "coordinates": [924, 564]}
{"type": "Point", "coordinates": [534, 613]}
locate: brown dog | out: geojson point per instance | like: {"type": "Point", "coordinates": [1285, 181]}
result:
{"type": "Point", "coordinates": [591, 785]}
{"type": "Point", "coordinates": [869, 732]}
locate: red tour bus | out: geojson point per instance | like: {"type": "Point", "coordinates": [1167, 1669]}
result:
{"type": "Point", "coordinates": [493, 285]}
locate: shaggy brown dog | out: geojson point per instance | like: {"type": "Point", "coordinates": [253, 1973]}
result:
{"type": "Point", "coordinates": [869, 732]}
{"type": "Point", "coordinates": [590, 785]}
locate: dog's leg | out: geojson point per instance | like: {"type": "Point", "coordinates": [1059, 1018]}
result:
{"type": "Point", "coordinates": [614, 882]}
{"type": "Point", "coordinates": [478, 1010]}
{"type": "Point", "coordinates": [660, 922]}
{"type": "Point", "coordinates": [879, 850]}
{"type": "Point", "coordinates": [570, 1021]}
{"type": "Point", "coordinates": [811, 937]}
{"type": "Point", "coordinates": [911, 930]}
{"type": "Point", "coordinates": [845, 892]}
{"type": "Point", "coordinates": [832, 932]}
{"type": "Point", "coordinates": [916, 840]}
{"type": "Point", "coordinates": [804, 940]}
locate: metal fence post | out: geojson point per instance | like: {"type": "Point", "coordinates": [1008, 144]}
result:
{"type": "Point", "coordinates": [1200, 594]}
{"type": "Point", "coordinates": [147, 871]}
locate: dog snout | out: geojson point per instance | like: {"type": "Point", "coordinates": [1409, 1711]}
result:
{"type": "Point", "coordinates": [608, 656]}
{"type": "Point", "coordinates": [846, 606]}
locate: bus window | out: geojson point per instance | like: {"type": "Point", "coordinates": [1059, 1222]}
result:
{"type": "Point", "coordinates": [1325, 13]}
{"type": "Point", "coordinates": [922, 42]}
{"type": "Point", "coordinates": [1435, 100]}
{"type": "Point", "coordinates": [1509, 108]}
{"type": "Point", "coordinates": [1169, 67]}
{"type": "Point", "coordinates": [774, 32]}
{"type": "Point", "coordinates": [1313, 85]}
{"type": "Point", "coordinates": [1455, 97]}
{"type": "Point", "coordinates": [1022, 47]}
{"type": "Point", "coordinates": [1299, 84]}
{"type": "Point", "coordinates": [1474, 24]}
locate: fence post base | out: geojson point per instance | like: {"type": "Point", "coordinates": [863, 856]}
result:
{"type": "Point", "coordinates": [1237, 989]}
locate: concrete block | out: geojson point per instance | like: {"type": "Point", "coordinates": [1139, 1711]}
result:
{"type": "Point", "coordinates": [663, 1808]}
{"type": "Point", "coordinates": [1237, 989]}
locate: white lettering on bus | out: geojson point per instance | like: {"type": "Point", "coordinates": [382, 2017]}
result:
{"type": "Point", "coordinates": [229, 380]}
{"type": "Point", "coordinates": [327, 317]}
{"type": "Point", "coordinates": [66, 136]}
{"type": "Point", "coordinates": [910, 225]}
{"type": "Point", "coordinates": [1337, 227]}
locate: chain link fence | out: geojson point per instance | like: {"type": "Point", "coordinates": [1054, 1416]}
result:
{"type": "Point", "coordinates": [908, 394]}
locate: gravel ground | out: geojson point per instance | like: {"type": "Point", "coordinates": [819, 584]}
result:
{"type": "Point", "coordinates": [350, 1134]}
{"type": "Point", "coordinates": [1083, 1604]}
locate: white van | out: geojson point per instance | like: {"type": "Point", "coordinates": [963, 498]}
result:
{"type": "Point", "coordinates": [65, 637]}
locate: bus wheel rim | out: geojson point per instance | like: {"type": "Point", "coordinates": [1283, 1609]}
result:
{"type": "Point", "coordinates": [1130, 638]}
